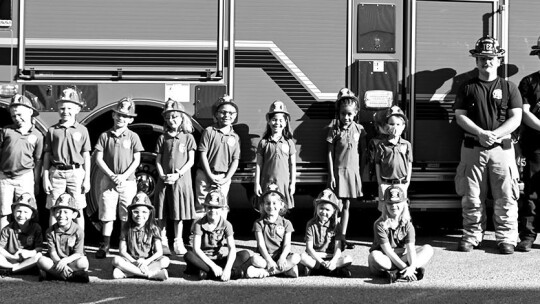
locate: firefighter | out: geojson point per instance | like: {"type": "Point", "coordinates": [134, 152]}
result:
{"type": "Point", "coordinates": [529, 87]}
{"type": "Point", "coordinates": [488, 109]}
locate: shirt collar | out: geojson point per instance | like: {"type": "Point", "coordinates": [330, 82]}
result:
{"type": "Point", "coordinates": [71, 229]}
{"type": "Point", "coordinates": [59, 125]}
{"type": "Point", "coordinates": [220, 130]}
{"type": "Point", "coordinates": [279, 221]}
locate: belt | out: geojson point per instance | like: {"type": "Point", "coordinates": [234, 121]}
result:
{"type": "Point", "coordinates": [67, 167]}
{"type": "Point", "coordinates": [395, 181]}
{"type": "Point", "coordinates": [469, 142]}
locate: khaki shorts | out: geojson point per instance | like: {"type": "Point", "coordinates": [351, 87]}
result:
{"type": "Point", "coordinates": [115, 197]}
{"type": "Point", "coordinates": [11, 188]}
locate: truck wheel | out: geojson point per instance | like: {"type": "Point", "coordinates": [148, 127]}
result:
{"type": "Point", "coordinates": [146, 174]}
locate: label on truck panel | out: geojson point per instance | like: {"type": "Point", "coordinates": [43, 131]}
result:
{"type": "Point", "coordinates": [378, 99]}
{"type": "Point", "coordinates": [5, 23]}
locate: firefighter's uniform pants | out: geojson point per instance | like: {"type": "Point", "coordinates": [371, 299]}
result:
{"type": "Point", "coordinates": [478, 167]}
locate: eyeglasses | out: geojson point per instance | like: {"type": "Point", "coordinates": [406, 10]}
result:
{"type": "Point", "coordinates": [226, 112]}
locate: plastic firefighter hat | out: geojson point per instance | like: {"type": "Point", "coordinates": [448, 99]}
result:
{"type": "Point", "coordinates": [346, 93]}
{"type": "Point", "coordinates": [141, 199]}
{"type": "Point", "coordinates": [125, 106]}
{"type": "Point", "coordinates": [273, 188]}
{"type": "Point", "coordinates": [394, 195]}
{"type": "Point", "coordinates": [226, 99]}
{"type": "Point", "coordinates": [27, 200]}
{"type": "Point", "coordinates": [215, 198]}
{"type": "Point", "coordinates": [173, 106]}
{"type": "Point", "coordinates": [67, 201]}
{"type": "Point", "coordinates": [487, 47]}
{"type": "Point", "coordinates": [395, 111]}
{"type": "Point", "coordinates": [71, 95]}
{"type": "Point", "coordinates": [327, 196]}
{"type": "Point", "coordinates": [21, 100]}
{"type": "Point", "coordinates": [535, 49]}
{"type": "Point", "coordinates": [277, 106]}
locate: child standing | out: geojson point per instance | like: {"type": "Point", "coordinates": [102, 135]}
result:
{"type": "Point", "coordinates": [273, 234]}
{"type": "Point", "coordinates": [21, 241]}
{"type": "Point", "coordinates": [323, 240]}
{"type": "Point", "coordinates": [346, 141]}
{"type": "Point", "coordinates": [276, 155]}
{"type": "Point", "coordinates": [21, 146]}
{"type": "Point", "coordinates": [118, 154]}
{"type": "Point", "coordinates": [175, 151]}
{"type": "Point", "coordinates": [66, 163]}
{"type": "Point", "coordinates": [393, 157]}
{"type": "Point", "coordinates": [209, 235]}
{"type": "Point", "coordinates": [141, 253]}
{"type": "Point", "coordinates": [65, 241]}
{"type": "Point", "coordinates": [220, 152]}
{"type": "Point", "coordinates": [393, 251]}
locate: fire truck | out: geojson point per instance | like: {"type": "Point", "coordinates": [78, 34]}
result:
{"type": "Point", "coordinates": [411, 53]}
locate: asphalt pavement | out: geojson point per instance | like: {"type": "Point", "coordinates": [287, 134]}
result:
{"type": "Point", "coordinates": [481, 276]}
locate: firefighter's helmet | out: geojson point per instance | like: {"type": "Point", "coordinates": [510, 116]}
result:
{"type": "Point", "coordinates": [66, 201]}
{"type": "Point", "coordinates": [125, 106]}
{"type": "Point", "coordinates": [225, 100]}
{"type": "Point", "coordinates": [27, 200]}
{"type": "Point", "coordinates": [487, 47]}
{"type": "Point", "coordinates": [21, 100]}
{"type": "Point", "coordinates": [535, 49]}
{"type": "Point", "coordinates": [277, 106]}
{"type": "Point", "coordinates": [394, 195]}
{"type": "Point", "coordinates": [327, 196]}
{"type": "Point", "coordinates": [141, 199]}
{"type": "Point", "coordinates": [173, 106]}
{"type": "Point", "coordinates": [346, 93]}
{"type": "Point", "coordinates": [395, 111]}
{"type": "Point", "coordinates": [72, 95]}
{"type": "Point", "coordinates": [215, 198]}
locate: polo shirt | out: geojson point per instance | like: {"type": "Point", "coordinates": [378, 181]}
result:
{"type": "Point", "coordinates": [273, 233]}
{"type": "Point", "coordinates": [118, 150]}
{"type": "Point", "coordinates": [212, 240]}
{"type": "Point", "coordinates": [481, 99]}
{"type": "Point", "coordinates": [139, 243]}
{"type": "Point", "coordinates": [529, 87]}
{"type": "Point", "coordinates": [398, 238]}
{"type": "Point", "coordinates": [67, 144]}
{"type": "Point", "coordinates": [13, 238]}
{"type": "Point", "coordinates": [394, 160]}
{"type": "Point", "coordinates": [174, 150]}
{"type": "Point", "coordinates": [322, 235]}
{"type": "Point", "coordinates": [65, 242]}
{"type": "Point", "coordinates": [221, 149]}
{"type": "Point", "coordinates": [19, 152]}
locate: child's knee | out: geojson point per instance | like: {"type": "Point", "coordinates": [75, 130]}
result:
{"type": "Point", "coordinates": [80, 264]}
{"type": "Point", "coordinates": [117, 261]}
{"type": "Point", "coordinates": [294, 258]}
{"type": "Point", "coordinates": [44, 263]}
{"type": "Point", "coordinates": [164, 262]}
{"type": "Point", "coordinates": [258, 261]}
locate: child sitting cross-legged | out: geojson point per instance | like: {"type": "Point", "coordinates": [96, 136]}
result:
{"type": "Point", "coordinates": [324, 240]}
{"type": "Point", "coordinates": [141, 252]}
{"type": "Point", "coordinates": [21, 241]}
{"type": "Point", "coordinates": [209, 235]}
{"type": "Point", "coordinates": [65, 258]}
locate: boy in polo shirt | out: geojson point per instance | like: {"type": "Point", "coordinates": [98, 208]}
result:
{"type": "Point", "coordinates": [220, 152]}
{"type": "Point", "coordinates": [21, 146]}
{"type": "Point", "coordinates": [65, 258]}
{"type": "Point", "coordinates": [66, 163]}
{"type": "Point", "coordinates": [118, 156]}
{"type": "Point", "coordinates": [21, 241]}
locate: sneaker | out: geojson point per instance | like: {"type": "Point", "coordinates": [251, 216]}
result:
{"type": "Point", "coordinates": [203, 275]}
{"type": "Point", "coordinates": [160, 275]}
{"type": "Point", "coordinates": [5, 272]}
{"type": "Point", "coordinates": [80, 276]}
{"type": "Point", "coordinates": [179, 248]}
{"type": "Point", "coordinates": [256, 273]}
{"type": "Point", "coordinates": [466, 246]}
{"type": "Point", "coordinates": [42, 276]}
{"type": "Point", "coordinates": [292, 273]}
{"type": "Point", "coordinates": [505, 248]}
{"type": "Point", "coordinates": [102, 251]}
{"type": "Point", "coordinates": [118, 274]}
{"type": "Point", "coordinates": [237, 273]}
{"type": "Point", "coordinates": [392, 275]}
{"type": "Point", "coordinates": [342, 272]}
{"type": "Point", "coordinates": [525, 245]}
{"type": "Point", "coordinates": [420, 273]}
